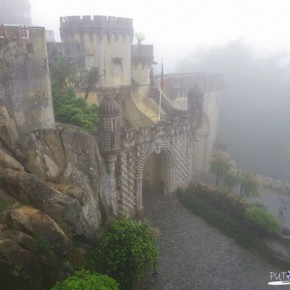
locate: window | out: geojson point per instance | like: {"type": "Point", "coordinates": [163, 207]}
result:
{"type": "Point", "coordinates": [117, 67]}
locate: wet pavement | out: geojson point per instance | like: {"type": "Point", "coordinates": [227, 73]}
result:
{"type": "Point", "coordinates": [194, 255]}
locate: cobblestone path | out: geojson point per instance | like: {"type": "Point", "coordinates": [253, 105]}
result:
{"type": "Point", "coordinates": [194, 255]}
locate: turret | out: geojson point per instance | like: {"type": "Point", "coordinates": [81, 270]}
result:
{"type": "Point", "coordinates": [195, 105]}
{"type": "Point", "coordinates": [106, 44]}
{"type": "Point", "coordinates": [109, 113]}
{"type": "Point", "coordinates": [109, 128]}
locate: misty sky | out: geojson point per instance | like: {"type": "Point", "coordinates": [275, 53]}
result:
{"type": "Point", "coordinates": [177, 27]}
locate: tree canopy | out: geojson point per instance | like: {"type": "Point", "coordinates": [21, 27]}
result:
{"type": "Point", "coordinates": [68, 107]}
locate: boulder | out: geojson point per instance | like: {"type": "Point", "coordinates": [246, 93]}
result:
{"type": "Point", "coordinates": [23, 239]}
{"type": "Point", "coordinates": [11, 251]}
{"type": "Point", "coordinates": [37, 223]}
{"type": "Point", "coordinates": [7, 161]}
{"type": "Point", "coordinates": [64, 210]}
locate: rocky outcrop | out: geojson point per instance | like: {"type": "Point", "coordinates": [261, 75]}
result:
{"type": "Point", "coordinates": [51, 192]}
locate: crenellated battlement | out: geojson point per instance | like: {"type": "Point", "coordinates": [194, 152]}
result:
{"type": "Point", "coordinates": [96, 21]}
{"type": "Point", "coordinates": [96, 24]}
{"type": "Point", "coordinates": [17, 31]}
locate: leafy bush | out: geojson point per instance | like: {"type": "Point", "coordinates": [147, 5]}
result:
{"type": "Point", "coordinates": [70, 109]}
{"type": "Point", "coordinates": [84, 280]}
{"type": "Point", "coordinates": [126, 252]}
{"type": "Point", "coordinates": [224, 201]}
{"type": "Point", "coordinates": [216, 217]}
{"type": "Point", "coordinates": [262, 220]}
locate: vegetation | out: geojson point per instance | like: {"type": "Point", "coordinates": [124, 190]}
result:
{"type": "Point", "coordinates": [248, 184]}
{"type": "Point", "coordinates": [84, 280]}
{"type": "Point", "coordinates": [230, 214]}
{"type": "Point", "coordinates": [220, 164]}
{"type": "Point", "coordinates": [223, 200]}
{"type": "Point", "coordinates": [225, 168]}
{"type": "Point", "coordinates": [70, 109]}
{"type": "Point", "coordinates": [217, 218]}
{"type": "Point", "coordinates": [66, 80]}
{"type": "Point", "coordinates": [90, 80]}
{"type": "Point", "coordinates": [41, 245]}
{"type": "Point", "coordinates": [126, 252]}
{"type": "Point", "coordinates": [262, 220]}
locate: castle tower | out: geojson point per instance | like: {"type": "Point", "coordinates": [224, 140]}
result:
{"type": "Point", "coordinates": [142, 58]}
{"type": "Point", "coordinates": [25, 88]}
{"type": "Point", "coordinates": [110, 134]}
{"type": "Point", "coordinates": [107, 45]}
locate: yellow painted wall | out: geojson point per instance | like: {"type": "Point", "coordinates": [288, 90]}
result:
{"type": "Point", "coordinates": [104, 51]}
{"type": "Point", "coordinates": [207, 134]}
{"type": "Point", "coordinates": [137, 111]}
{"type": "Point", "coordinates": [117, 46]}
{"type": "Point", "coordinates": [92, 97]}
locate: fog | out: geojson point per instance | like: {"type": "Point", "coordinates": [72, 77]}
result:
{"type": "Point", "coordinates": [255, 105]}
{"type": "Point", "coordinates": [248, 41]}
{"type": "Point", "coordinates": [177, 27]}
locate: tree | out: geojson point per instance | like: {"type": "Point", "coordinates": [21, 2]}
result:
{"type": "Point", "coordinates": [90, 80]}
{"type": "Point", "coordinates": [248, 184]}
{"type": "Point", "coordinates": [220, 164]}
{"type": "Point", "coordinates": [84, 280]}
{"type": "Point", "coordinates": [140, 37]}
{"type": "Point", "coordinates": [231, 179]}
{"type": "Point", "coordinates": [126, 252]}
{"type": "Point", "coordinates": [70, 109]}
{"type": "Point", "coordinates": [64, 73]}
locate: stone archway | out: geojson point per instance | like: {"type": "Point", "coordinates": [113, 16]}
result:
{"type": "Point", "coordinates": [169, 169]}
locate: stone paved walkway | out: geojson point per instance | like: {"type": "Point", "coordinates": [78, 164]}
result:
{"type": "Point", "coordinates": [193, 255]}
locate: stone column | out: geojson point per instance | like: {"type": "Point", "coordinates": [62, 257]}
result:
{"type": "Point", "coordinates": [111, 165]}
{"type": "Point", "coordinates": [138, 182]}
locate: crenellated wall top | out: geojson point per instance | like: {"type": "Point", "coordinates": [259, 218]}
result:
{"type": "Point", "coordinates": [96, 24]}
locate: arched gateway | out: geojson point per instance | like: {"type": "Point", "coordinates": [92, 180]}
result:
{"type": "Point", "coordinates": [168, 169]}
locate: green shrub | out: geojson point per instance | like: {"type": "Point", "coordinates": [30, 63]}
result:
{"type": "Point", "coordinates": [126, 252]}
{"type": "Point", "coordinates": [224, 201]}
{"type": "Point", "coordinates": [70, 109]}
{"type": "Point", "coordinates": [84, 280]}
{"type": "Point", "coordinates": [216, 218]}
{"type": "Point", "coordinates": [262, 220]}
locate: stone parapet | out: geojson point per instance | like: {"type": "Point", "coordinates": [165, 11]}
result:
{"type": "Point", "coordinates": [96, 24]}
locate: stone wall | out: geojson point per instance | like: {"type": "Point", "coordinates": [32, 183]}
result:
{"type": "Point", "coordinates": [174, 140]}
{"type": "Point", "coordinates": [25, 88]}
